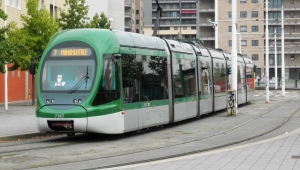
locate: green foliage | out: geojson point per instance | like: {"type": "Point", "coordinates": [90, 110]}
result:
{"type": "Point", "coordinates": [99, 21]}
{"type": "Point", "coordinates": [76, 16]}
{"type": "Point", "coordinates": [3, 58]}
{"type": "Point", "coordinates": [31, 40]}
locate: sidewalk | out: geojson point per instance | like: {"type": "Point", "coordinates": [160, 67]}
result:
{"type": "Point", "coordinates": [18, 121]}
{"type": "Point", "coordinates": [278, 153]}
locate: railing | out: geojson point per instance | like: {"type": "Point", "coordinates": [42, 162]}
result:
{"type": "Point", "coordinates": [289, 83]}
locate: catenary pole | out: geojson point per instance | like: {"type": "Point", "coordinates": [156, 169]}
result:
{"type": "Point", "coordinates": [267, 52]}
{"type": "Point", "coordinates": [282, 54]}
{"type": "Point", "coordinates": [216, 24]}
{"type": "Point", "coordinates": [275, 47]}
{"type": "Point", "coordinates": [234, 52]}
{"type": "Point", "coordinates": [197, 20]}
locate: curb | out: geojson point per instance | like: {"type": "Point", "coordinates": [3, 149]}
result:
{"type": "Point", "coordinates": [25, 136]}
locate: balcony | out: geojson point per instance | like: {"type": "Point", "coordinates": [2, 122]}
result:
{"type": "Point", "coordinates": [128, 15]}
{"type": "Point", "coordinates": [166, 1]}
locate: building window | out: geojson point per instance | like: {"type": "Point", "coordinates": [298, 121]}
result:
{"type": "Point", "coordinates": [292, 14]}
{"type": "Point", "coordinates": [244, 42]}
{"type": "Point", "coordinates": [137, 31]}
{"type": "Point", "coordinates": [254, 56]}
{"type": "Point", "coordinates": [175, 28]}
{"type": "Point", "coordinates": [254, 42]}
{"type": "Point", "coordinates": [243, 29]}
{"type": "Point", "coordinates": [15, 3]}
{"type": "Point", "coordinates": [292, 2]}
{"type": "Point", "coordinates": [243, 1]}
{"type": "Point", "coordinates": [254, 1]}
{"type": "Point", "coordinates": [292, 43]}
{"type": "Point", "coordinates": [193, 28]}
{"type": "Point", "coordinates": [144, 58]}
{"type": "Point", "coordinates": [184, 28]}
{"type": "Point", "coordinates": [137, 12]}
{"type": "Point", "coordinates": [229, 14]}
{"type": "Point", "coordinates": [229, 43]}
{"type": "Point", "coordinates": [229, 28]}
{"type": "Point", "coordinates": [292, 28]}
{"type": "Point", "coordinates": [243, 14]}
{"type": "Point", "coordinates": [137, 21]}
{"type": "Point", "coordinates": [254, 14]}
{"type": "Point", "coordinates": [292, 57]}
{"type": "Point", "coordinates": [254, 28]}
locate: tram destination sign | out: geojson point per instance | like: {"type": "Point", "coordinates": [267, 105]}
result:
{"type": "Point", "coordinates": [71, 52]}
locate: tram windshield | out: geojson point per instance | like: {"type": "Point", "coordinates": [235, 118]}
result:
{"type": "Point", "coordinates": [68, 76]}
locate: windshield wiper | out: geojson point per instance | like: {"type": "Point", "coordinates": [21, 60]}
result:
{"type": "Point", "coordinates": [78, 84]}
{"type": "Point", "coordinates": [87, 75]}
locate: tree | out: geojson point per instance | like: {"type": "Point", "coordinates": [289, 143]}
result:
{"type": "Point", "coordinates": [76, 16]}
{"type": "Point", "coordinates": [3, 58]}
{"type": "Point", "coordinates": [31, 40]}
{"type": "Point", "coordinates": [99, 21]}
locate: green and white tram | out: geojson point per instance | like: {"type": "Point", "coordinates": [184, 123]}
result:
{"type": "Point", "coordinates": [112, 82]}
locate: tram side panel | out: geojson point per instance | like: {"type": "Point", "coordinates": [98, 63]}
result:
{"type": "Point", "coordinates": [145, 91]}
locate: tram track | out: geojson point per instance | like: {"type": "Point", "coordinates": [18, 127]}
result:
{"type": "Point", "coordinates": [63, 142]}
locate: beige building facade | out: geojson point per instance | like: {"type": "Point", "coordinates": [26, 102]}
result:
{"type": "Point", "coordinates": [14, 8]}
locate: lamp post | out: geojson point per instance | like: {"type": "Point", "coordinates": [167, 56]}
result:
{"type": "Point", "coordinates": [6, 70]}
{"type": "Point", "coordinates": [110, 22]}
{"type": "Point", "coordinates": [215, 26]}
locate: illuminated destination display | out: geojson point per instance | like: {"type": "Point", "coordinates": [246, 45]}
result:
{"type": "Point", "coordinates": [71, 52]}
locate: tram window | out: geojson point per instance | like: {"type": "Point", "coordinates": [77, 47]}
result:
{"type": "Point", "coordinates": [219, 76]}
{"type": "Point", "coordinates": [143, 78]}
{"type": "Point", "coordinates": [206, 80]}
{"type": "Point", "coordinates": [109, 88]}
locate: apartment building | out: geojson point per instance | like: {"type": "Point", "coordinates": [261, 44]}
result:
{"type": "Point", "coordinates": [179, 17]}
{"type": "Point", "coordinates": [134, 16]}
{"type": "Point", "coordinates": [19, 82]}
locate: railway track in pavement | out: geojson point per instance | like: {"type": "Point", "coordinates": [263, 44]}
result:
{"type": "Point", "coordinates": [183, 138]}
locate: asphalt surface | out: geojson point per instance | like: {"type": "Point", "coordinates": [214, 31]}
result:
{"type": "Point", "coordinates": [275, 124]}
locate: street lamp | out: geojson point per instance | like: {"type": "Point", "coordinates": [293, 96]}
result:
{"type": "Point", "coordinates": [215, 26]}
{"type": "Point", "coordinates": [110, 22]}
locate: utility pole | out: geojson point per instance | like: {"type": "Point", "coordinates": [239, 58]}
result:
{"type": "Point", "coordinates": [275, 46]}
{"type": "Point", "coordinates": [6, 70]}
{"type": "Point", "coordinates": [197, 21]}
{"type": "Point", "coordinates": [216, 26]}
{"type": "Point", "coordinates": [234, 53]}
{"type": "Point", "coordinates": [282, 54]}
{"type": "Point", "coordinates": [267, 52]}
{"type": "Point", "coordinates": [158, 15]}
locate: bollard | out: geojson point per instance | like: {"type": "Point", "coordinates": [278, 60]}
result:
{"type": "Point", "coordinates": [231, 103]}
{"type": "Point", "coordinates": [295, 83]}
{"type": "Point", "coordinates": [29, 98]}
{"type": "Point", "coordinates": [258, 81]}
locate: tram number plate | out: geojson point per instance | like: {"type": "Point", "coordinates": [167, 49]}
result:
{"type": "Point", "coordinates": [59, 115]}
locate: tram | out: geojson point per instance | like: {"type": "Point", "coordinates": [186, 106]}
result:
{"type": "Point", "coordinates": [113, 82]}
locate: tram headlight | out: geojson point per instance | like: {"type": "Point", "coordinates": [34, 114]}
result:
{"type": "Point", "coordinates": [52, 100]}
{"type": "Point", "coordinates": [74, 101]}
{"type": "Point", "coordinates": [47, 101]}
{"type": "Point", "coordinates": [79, 100]}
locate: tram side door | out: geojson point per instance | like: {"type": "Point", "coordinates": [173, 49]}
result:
{"type": "Point", "coordinates": [206, 85]}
